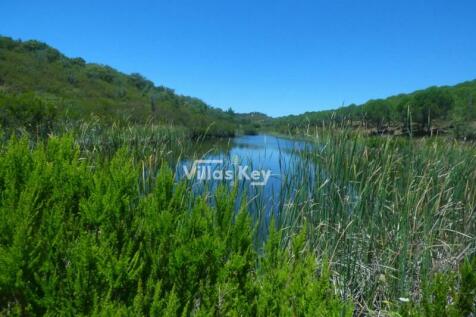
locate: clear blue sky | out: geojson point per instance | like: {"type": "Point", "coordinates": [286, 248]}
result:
{"type": "Point", "coordinates": [277, 57]}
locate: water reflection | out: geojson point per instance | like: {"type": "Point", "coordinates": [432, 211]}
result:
{"type": "Point", "coordinates": [282, 158]}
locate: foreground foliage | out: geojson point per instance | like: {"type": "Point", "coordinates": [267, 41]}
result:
{"type": "Point", "coordinates": [88, 232]}
{"type": "Point", "coordinates": [80, 236]}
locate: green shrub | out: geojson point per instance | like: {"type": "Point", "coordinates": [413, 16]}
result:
{"type": "Point", "coordinates": [79, 237]}
{"type": "Point", "coordinates": [447, 294]}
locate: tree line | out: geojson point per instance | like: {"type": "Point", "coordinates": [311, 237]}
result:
{"type": "Point", "coordinates": [435, 109]}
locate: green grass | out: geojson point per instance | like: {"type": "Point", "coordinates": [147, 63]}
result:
{"type": "Point", "coordinates": [390, 212]}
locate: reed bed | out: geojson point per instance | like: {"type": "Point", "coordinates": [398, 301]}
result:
{"type": "Point", "coordinates": [390, 213]}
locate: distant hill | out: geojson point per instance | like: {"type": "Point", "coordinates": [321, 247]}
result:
{"type": "Point", "coordinates": [41, 87]}
{"type": "Point", "coordinates": [433, 110]}
{"type": "Point", "coordinates": [37, 77]}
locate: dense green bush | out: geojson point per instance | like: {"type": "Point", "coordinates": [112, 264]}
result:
{"type": "Point", "coordinates": [27, 111]}
{"type": "Point", "coordinates": [79, 237]}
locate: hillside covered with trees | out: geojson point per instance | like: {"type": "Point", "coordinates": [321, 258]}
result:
{"type": "Point", "coordinates": [446, 109]}
{"type": "Point", "coordinates": [39, 87]}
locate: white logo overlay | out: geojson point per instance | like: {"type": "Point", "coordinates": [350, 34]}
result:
{"type": "Point", "coordinates": [204, 170]}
